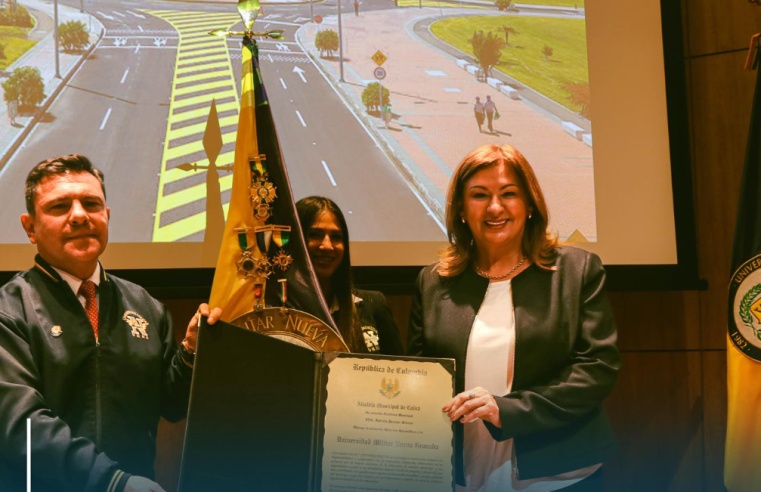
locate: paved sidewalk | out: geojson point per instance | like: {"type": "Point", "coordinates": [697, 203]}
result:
{"type": "Point", "coordinates": [434, 126]}
{"type": "Point", "coordinates": [42, 56]}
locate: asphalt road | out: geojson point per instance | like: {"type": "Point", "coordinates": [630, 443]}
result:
{"type": "Point", "coordinates": [122, 111]}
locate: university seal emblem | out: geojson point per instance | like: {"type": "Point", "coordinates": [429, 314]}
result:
{"type": "Point", "coordinates": [744, 322]}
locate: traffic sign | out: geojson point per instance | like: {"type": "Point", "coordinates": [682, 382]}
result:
{"type": "Point", "coordinates": [318, 19]}
{"type": "Point", "coordinates": [379, 58]}
{"type": "Point", "coordinates": [380, 73]}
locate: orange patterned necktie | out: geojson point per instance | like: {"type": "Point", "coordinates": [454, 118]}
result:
{"type": "Point", "coordinates": [87, 290]}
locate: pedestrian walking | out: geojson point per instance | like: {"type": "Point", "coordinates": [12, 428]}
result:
{"type": "Point", "coordinates": [13, 111]}
{"type": "Point", "coordinates": [491, 112]}
{"type": "Point", "coordinates": [478, 111]}
{"type": "Point", "coordinates": [356, 8]}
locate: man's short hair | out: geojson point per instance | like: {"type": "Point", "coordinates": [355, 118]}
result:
{"type": "Point", "coordinates": [64, 164]}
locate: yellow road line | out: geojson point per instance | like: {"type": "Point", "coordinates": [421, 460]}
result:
{"type": "Point", "coordinates": [211, 57]}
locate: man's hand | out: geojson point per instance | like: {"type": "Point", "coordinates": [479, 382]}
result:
{"type": "Point", "coordinates": [191, 335]}
{"type": "Point", "coordinates": [141, 484]}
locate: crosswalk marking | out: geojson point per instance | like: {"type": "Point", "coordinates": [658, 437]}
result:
{"type": "Point", "coordinates": [177, 216]}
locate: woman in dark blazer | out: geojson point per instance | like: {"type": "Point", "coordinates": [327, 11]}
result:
{"type": "Point", "coordinates": [530, 328]}
{"type": "Point", "coordinates": [362, 316]}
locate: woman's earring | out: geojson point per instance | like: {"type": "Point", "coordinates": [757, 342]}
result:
{"type": "Point", "coordinates": [463, 220]}
{"type": "Point", "coordinates": [529, 216]}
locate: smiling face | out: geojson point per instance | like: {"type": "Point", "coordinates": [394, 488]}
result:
{"type": "Point", "coordinates": [325, 243]}
{"type": "Point", "coordinates": [70, 223]}
{"type": "Point", "coordinates": [495, 208]}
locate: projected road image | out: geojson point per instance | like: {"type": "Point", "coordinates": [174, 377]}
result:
{"type": "Point", "coordinates": [137, 106]}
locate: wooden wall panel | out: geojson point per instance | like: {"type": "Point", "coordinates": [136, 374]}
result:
{"type": "Point", "coordinates": [714, 417]}
{"type": "Point", "coordinates": [657, 320]}
{"type": "Point", "coordinates": [656, 410]}
{"type": "Point", "coordinates": [718, 26]}
{"type": "Point", "coordinates": [722, 94]}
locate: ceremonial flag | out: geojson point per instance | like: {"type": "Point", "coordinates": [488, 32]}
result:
{"type": "Point", "coordinates": [742, 472]}
{"type": "Point", "coordinates": [262, 217]}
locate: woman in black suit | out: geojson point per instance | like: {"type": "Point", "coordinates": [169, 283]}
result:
{"type": "Point", "coordinates": [362, 316]}
{"type": "Point", "coordinates": [530, 324]}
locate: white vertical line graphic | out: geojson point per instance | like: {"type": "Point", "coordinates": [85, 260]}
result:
{"type": "Point", "coordinates": [330, 175]}
{"type": "Point", "coordinates": [105, 119]}
{"type": "Point", "coordinates": [303, 123]}
{"type": "Point", "coordinates": [28, 455]}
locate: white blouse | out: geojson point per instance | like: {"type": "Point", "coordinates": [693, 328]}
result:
{"type": "Point", "coordinates": [489, 363]}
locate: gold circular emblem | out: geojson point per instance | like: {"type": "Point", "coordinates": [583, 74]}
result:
{"type": "Point", "coordinates": [293, 326]}
{"type": "Point", "coordinates": [56, 331]}
{"type": "Point", "coordinates": [262, 211]}
{"type": "Point", "coordinates": [744, 323]}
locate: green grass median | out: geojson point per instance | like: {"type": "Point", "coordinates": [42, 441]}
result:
{"type": "Point", "coordinates": [523, 59]}
{"type": "Point", "coordinates": [14, 43]}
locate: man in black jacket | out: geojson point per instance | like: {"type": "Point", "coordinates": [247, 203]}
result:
{"type": "Point", "coordinates": [89, 360]}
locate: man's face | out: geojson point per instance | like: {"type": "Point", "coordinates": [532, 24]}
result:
{"type": "Point", "coordinates": [70, 223]}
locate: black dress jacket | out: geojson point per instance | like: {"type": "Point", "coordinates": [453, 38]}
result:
{"type": "Point", "coordinates": [94, 407]}
{"type": "Point", "coordinates": [566, 359]}
{"type": "Point", "coordinates": [378, 326]}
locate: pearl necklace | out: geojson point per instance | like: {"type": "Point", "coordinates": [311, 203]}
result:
{"type": "Point", "coordinates": [499, 277]}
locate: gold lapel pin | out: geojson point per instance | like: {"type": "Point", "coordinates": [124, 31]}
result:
{"type": "Point", "coordinates": [56, 331]}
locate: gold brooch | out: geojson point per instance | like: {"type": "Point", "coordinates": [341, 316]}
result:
{"type": "Point", "coordinates": [263, 267]}
{"type": "Point", "coordinates": [283, 260]}
{"type": "Point", "coordinates": [247, 264]}
{"type": "Point", "coordinates": [262, 191]}
{"type": "Point", "coordinates": [262, 211]}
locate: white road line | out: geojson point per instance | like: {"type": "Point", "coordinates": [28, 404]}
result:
{"type": "Point", "coordinates": [28, 455]}
{"type": "Point", "coordinates": [119, 14]}
{"type": "Point", "coordinates": [139, 47]}
{"type": "Point", "coordinates": [373, 138]}
{"type": "Point", "coordinates": [301, 119]}
{"type": "Point", "coordinates": [330, 175]}
{"type": "Point", "coordinates": [282, 23]}
{"type": "Point", "coordinates": [296, 53]}
{"type": "Point", "coordinates": [124, 76]}
{"type": "Point", "coordinates": [282, 82]}
{"type": "Point", "coordinates": [105, 119]}
{"type": "Point", "coordinates": [271, 60]}
{"type": "Point", "coordinates": [140, 27]}
{"type": "Point", "coordinates": [139, 16]}
{"type": "Point", "coordinates": [152, 38]}
{"type": "Point", "coordinates": [104, 15]}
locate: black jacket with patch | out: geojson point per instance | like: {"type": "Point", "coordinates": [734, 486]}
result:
{"type": "Point", "coordinates": [94, 407]}
{"type": "Point", "coordinates": [566, 359]}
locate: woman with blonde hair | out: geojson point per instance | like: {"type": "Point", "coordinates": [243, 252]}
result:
{"type": "Point", "coordinates": [530, 323]}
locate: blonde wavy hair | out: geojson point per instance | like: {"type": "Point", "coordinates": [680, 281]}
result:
{"type": "Point", "coordinates": [538, 245]}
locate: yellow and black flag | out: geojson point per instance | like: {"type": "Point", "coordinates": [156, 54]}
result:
{"type": "Point", "coordinates": [742, 472]}
{"type": "Point", "coordinates": [263, 259]}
